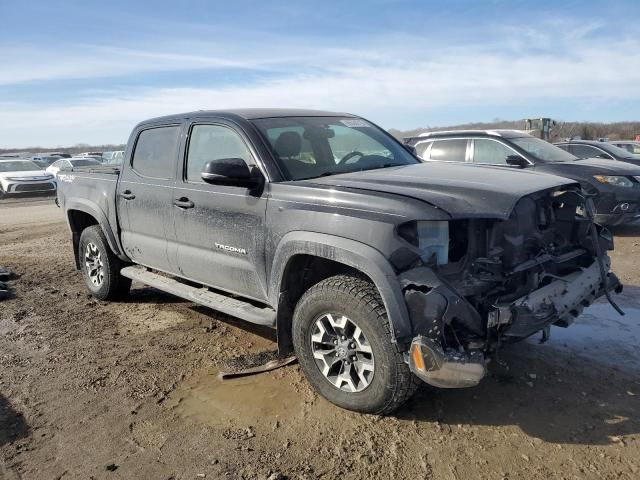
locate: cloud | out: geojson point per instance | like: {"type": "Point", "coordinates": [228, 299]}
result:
{"type": "Point", "coordinates": [389, 78]}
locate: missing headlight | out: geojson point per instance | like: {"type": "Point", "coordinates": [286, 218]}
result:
{"type": "Point", "coordinates": [430, 237]}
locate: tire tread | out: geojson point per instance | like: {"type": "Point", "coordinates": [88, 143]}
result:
{"type": "Point", "coordinates": [118, 285]}
{"type": "Point", "coordinates": [363, 291]}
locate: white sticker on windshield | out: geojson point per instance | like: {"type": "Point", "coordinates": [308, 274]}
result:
{"type": "Point", "coordinates": [355, 123]}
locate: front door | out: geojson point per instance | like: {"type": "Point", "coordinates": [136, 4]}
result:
{"type": "Point", "coordinates": [144, 196]}
{"type": "Point", "coordinates": [219, 230]}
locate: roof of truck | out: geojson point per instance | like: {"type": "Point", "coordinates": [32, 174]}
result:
{"type": "Point", "coordinates": [249, 114]}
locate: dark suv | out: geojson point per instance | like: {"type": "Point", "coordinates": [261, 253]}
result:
{"type": "Point", "coordinates": [595, 149]}
{"type": "Point", "coordinates": [615, 185]}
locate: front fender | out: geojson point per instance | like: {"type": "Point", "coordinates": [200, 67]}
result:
{"type": "Point", "coordinates": [353, 254]}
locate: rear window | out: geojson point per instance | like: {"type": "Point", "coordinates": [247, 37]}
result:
{"type": "Point", "coordinates": [156, 152]}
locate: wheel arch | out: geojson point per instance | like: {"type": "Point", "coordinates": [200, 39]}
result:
{"type": "Point", "coordinates": [331, 255]}
{"type": "Point", "coordinates": [81, 215]}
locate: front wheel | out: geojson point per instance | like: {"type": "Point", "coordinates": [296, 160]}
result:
{"type": "Point", "coordinates": [342, 337]}
{"type": "Point", "coordinates": [100, 266]}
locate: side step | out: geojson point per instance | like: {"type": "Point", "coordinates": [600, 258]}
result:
{"type": "Point", "coordinates": [222, 303]}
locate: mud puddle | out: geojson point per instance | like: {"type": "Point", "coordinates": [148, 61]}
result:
{"type": "Point", "coordinates": [239, 401]}
{"type": "Point", "coordinates": [603, 335]}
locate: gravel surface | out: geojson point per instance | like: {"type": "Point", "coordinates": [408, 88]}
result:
{"type": "Point", "coordinates": [128, 390]}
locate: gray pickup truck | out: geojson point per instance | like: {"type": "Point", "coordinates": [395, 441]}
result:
{"type": "Point", "coordinates": [374, 268]}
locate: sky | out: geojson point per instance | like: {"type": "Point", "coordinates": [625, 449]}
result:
{"type": "Point", "coordinates": [87, 71]}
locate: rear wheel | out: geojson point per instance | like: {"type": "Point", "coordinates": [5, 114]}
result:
{"type": "Point", "coordinates": [100, 266]}
{"type": "Point", "coordinates": [342, 338]}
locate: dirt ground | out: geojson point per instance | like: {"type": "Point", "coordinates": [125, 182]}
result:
{"type": "Point", "coordinates": [128, 390]}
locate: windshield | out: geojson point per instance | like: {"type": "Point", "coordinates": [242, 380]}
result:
{"type": "Point", "coordinates": [309, 147]}
{"type": "Point", "coordinates": [543, 150]}
{"type": "Point", "coordinates": [84, 163]}
{"type": "Point", "coordinates": [18, 166]}
{"type": "Point", "coordinates": [617, 151]}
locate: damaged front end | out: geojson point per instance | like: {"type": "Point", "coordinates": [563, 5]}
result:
{"type": "Point", "coordinates": [499, 281]}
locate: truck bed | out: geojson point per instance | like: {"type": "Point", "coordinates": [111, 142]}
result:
{"type": "Point", "coordinates": [91, 190]}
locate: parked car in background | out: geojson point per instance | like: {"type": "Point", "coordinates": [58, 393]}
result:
{"type": "Point", "coordinates": [24, 176]}
{"type": "Point", "coordinates": [113, 158]}
{"type": "Point", "coordinates": [70, 163]}
{"type": "Point", "coordinates": [615, 185]}
{"type": "Point", "coordinates": [90, 154]}
{"type": "Point", "coordinates": [630, 146]}
{"type": "Point", "coordinates": [595, 149]}
{"type": "Point", "coordinates": [43, 160]}
{"type": "Point", "coordinates": [60, 154]}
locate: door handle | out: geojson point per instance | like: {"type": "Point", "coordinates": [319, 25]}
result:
{"type": "Point", "coordinates": [183, 202]}
{"type": "Point", "coordinates": [127, 195]}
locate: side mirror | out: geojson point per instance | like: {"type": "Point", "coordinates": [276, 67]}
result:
{"type": "Point", "coordinates": [233, 172]}
{"type": "Point", "coordinates": [517, 161]}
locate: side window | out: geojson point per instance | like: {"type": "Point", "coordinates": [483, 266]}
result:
{"type": "Point", "coordinates": [626, 146]}
{"type": "Point", "coordinates": [156, 152]}
{"type": "Point", "coordinates": [213, 142]}
{"type": "Point", "coordinates": [586, 151]}
{"type": "Point", "coordinates": [421, 149]}
{"type": "Point", "coordinates": [449, 150]}
{"type": "Point", "coordinates": [566, 148]}
{"type": "Point", "coordinates": [491, 152]}
{"type": "Point", "coordinates": [57, 164]}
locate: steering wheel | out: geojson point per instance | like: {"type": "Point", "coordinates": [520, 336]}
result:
{"type": "Point", "coordinates": [349, 156]}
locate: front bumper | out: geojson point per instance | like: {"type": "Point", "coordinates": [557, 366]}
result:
{"type": "Point", "coordinates": [618, 208]}
{"type": "Point", "coordinates": [615, 219]}
{"type": "Point", "coordinates": [558, 302]}
{"type": "Point", "coordinates": [433, 304]}
{"type": "Point", "coordinates": [431, 364]}
{"type": "Point", "coordinates": [12, 186]}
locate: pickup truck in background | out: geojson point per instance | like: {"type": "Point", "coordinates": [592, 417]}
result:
{"type": "Point", "coordinates": [376, 269]}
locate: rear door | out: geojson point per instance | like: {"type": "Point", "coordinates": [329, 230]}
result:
{"type": "Point", "coordinates": [144, 196]}
{"type": "Point", "coordinates": [219, 230]}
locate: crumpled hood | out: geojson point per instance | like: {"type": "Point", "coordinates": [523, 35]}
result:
{"type": "Point", "coordinates": [27, 175]}
{"type": "Point", "coordinates": [463, 191]}
{"type": "Point", "coordinates": [596, 166]}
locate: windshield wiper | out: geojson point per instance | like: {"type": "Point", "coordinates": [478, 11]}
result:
{"type": "Point", "coordinates": [384, 165]}
{"type": "Point", "coordinates": [323, 174]}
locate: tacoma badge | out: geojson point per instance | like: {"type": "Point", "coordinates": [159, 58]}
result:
{"type": "Point", "coordinates": [227, 248]}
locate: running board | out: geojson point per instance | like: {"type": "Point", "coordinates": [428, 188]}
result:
{"type": "Point", "coordinates": [203, 296]}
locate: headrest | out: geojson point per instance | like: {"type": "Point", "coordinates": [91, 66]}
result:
{"type": "Point", "coordinates": [288, 144]}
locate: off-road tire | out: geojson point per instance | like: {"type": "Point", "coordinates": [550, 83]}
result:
{"type": "Point", "coordinates": [358, 299]}
{"type": "Point", "coordinates": [114, 285]}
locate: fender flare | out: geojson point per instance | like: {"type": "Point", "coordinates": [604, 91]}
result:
{"type": "Point", "coordinates": [91, 209]}
{"type": "Point", "coordinates": [354, 254]}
